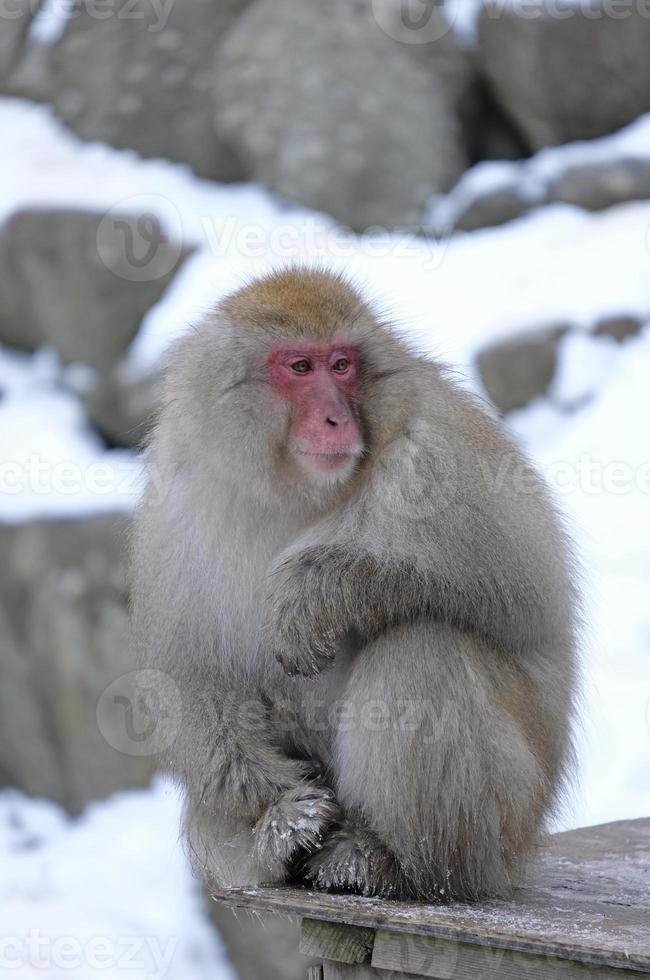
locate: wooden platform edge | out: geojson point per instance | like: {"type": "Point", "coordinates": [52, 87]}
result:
{"type": "Point", "coordinates": [287, 902]}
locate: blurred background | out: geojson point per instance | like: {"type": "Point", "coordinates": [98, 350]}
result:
{"type": "Point", "coordinates": [482, 169]}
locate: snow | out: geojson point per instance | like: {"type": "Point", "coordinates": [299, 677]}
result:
{"type": "Point", "coordinates": [50, 21]}
{"type": "Point", "coordinates": [108, 894]}
{"type": "Point", "coordinates": [598, 462]}
{"type": "Point", "coordinates": [117, 872]}
{"type": "Point", "coordinates": [462, 15]}
{"type": "Point", "coordinates": [51, 461]}
{"type": "Point", "coordinates": [585, 365]}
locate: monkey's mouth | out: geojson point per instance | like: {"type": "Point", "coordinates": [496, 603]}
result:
{"type": "Point", "coordinates": [335, 452]}
{"type": "Point", "coordinates": [330, 458]}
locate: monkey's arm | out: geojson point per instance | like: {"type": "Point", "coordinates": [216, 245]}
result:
{"type": "Point", "coordinates": [473, 559]}
{"type": "Point", "coordinates": [323, 595]}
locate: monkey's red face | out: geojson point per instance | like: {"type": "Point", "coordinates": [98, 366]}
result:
{"type": "Point", "coordinates": [320, 382]}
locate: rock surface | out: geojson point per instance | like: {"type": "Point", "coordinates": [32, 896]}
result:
{"type": "Point", "coordinates": [63, 638]}
{"type": "Point", "coordinates": [15, 18]}
{"type": "Point", "coordinates": [577, 75]}
{"type": "Point", "coordinates": [122, 407]}
{"type": "Point", "coordinates": [597, 186]}
{"type": "Point", "coordinates": [493, 208]}
{"type": "Point", "coordinates": [143, 79]}
{"type": "Point", "coordinates": [619, 327]}
{"type": "Point", "coordinates": [322, 105]}
{"type": "Point", "coordinates": [520, 368]}
{"type": "Point", "coordinates": [81, 281]}
{"type": "Point", "coordinates": [514, 188]}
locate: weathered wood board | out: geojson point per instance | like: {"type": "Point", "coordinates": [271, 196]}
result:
{"type": "Point", "coordinates": [588, 900]}
{"type": "Point", "coordinates": [332, 941]}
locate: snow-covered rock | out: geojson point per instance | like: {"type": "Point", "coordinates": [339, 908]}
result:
{"type": "Point", "coordinates": [594, 175]}
{"type": "Point", "coordinates": [81, 281]}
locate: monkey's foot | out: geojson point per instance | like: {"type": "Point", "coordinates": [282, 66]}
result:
{"type": "Point", "coordinates": [297, 822]}
{"type": "Point", "coordinates": [353, 859]}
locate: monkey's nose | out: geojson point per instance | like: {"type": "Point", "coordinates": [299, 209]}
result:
{"type": "Point", "coordinates": [332, 422]}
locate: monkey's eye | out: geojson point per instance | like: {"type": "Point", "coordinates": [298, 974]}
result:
{"type": "Point", "coordinates": [341, 365]}
{"type": "Point", "coordinates": [301, 367]}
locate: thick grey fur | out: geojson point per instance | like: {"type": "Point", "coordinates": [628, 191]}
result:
{"type": "Point", "coordinates": [377, 674]}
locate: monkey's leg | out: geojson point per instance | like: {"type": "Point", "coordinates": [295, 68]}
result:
{"type": "Point", "coordinates": [439, 769]}
{"type": "Point", "coordinates": [250, 808]}
{"type": "Point", "coordinates": [234, 850]}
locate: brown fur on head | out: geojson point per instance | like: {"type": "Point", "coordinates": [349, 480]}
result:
{"type": "Point", "coordinates": [298, 302]}
{"type": "Point", "coordinates": [220, 377]}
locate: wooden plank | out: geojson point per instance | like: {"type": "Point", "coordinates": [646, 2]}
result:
{"type": "Point", "coordinates": [332, 941]}
{"type": "Point", "coordinates": [315, 973]}
{"type": "Point", "coordinates": [340, 971]}
{"type": "Point", "coordinates": [444, 959]}
{"type": "Point", "coordinates": [588, 900]}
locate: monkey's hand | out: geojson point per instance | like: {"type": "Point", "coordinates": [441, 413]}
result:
{"type": "Point", "coordinates": [301, 629]}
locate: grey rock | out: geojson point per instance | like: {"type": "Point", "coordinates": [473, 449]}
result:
{"type": "Point", "coordinates": [324, 106]}
{"type": "Point", "coordinates": [428, 37]}
{"type": "Point", "coordinates": [140, 76]}
{"type": "Point", "coordinates": [493, 208]}
{"type": "Point", "coordinates": [64, 637]}
{"type": "Point", "coordinates": [517, 370]}
{"type": "Point", "coordinates": [601, 185]}
{"type": "Point", "coordinates": [619, 327]}
{"type": "Point", "coordinates": [15, 18]}
{"type": "Point", "coordinates": [121, 406]}
{"type": "Point", "coordinates": [81, 281]}
{"type": "Point", "coordinates": [31, 77]}
{"type": "Point", "coordinates": [577, 75]}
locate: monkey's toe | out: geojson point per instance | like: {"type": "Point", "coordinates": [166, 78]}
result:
{"type": "Point", "coordinates": [297, 822]}
{"type": "Point", "coordinates": [353, 859]}
{"type": "Point", "coordinates": [307, 662]}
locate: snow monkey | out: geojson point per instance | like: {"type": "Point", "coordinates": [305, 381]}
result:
{"type": "Point", "coordinates": [364, 600]}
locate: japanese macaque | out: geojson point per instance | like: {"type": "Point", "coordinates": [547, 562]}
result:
{"type": "Point", "coordinates": [363, 596]}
